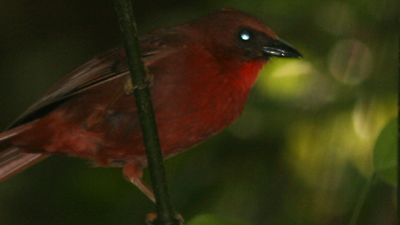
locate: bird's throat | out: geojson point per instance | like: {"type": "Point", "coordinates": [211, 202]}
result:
{"type": "Point", "coordinates": [249, 72]}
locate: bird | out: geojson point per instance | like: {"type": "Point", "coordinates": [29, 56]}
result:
{"type": "Point", "coordinates": [202, 72]}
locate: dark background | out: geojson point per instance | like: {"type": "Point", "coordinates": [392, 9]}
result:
{"type": "Point", "coordinates": [301, 153]}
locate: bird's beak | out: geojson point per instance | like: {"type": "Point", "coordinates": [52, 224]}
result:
{"type": "Point", "coordinates": [280, 48]}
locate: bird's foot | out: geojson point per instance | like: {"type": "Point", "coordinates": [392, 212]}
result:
{"type": "Point", "coordinates": [152, 217]}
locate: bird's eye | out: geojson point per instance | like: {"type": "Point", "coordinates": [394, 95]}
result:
{"type": "Point", "coordinates": [245, 35]}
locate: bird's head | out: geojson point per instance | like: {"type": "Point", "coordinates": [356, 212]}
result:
{"type": "Point", "coordinates": [232, 33]}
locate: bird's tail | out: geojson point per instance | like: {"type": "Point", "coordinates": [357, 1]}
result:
{"type": "Point", "coordinates": [12, 159]}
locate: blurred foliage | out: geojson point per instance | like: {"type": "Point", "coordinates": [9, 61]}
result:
{"type": "Point", "coordinates": [386, 155]}
{"type": "Point", "coordinates": [212, 220]}
{"type": "Point", "coordinates": [301, 153]}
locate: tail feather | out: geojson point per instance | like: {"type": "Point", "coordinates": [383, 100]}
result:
{"type": "Point", "coordinates": [12, 159]}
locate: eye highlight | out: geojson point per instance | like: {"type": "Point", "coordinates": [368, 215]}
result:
{"type": "Point", "coordinates": [245, 35]}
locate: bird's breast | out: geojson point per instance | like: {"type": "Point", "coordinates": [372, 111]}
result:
{"type": "Point", "coordinates": [198, 96]}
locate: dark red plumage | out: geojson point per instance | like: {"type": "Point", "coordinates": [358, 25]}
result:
{"type": "Point", "coordinates": [203, 71]}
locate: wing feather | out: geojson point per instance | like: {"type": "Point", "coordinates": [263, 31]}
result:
{"type": "Point", "coordinates": [112, 65]}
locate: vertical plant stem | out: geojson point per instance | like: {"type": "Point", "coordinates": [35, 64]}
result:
{"type": "Point", "coordinates": [165, 212]}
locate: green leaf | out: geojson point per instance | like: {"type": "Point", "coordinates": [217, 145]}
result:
{"type": "Point", "coordinates": [209, 219]}
{"type": "Point", "coordinates": [385, 153]}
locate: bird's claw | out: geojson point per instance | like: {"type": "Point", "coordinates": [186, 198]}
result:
{"type": "Point", "coordinates": [151, 218]}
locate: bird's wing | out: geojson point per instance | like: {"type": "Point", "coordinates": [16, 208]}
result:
{"type": "Point", "coordinates": [154, 46]}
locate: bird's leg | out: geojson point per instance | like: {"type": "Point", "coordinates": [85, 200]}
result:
{"type": "Point", "coordinates": [133, 173]}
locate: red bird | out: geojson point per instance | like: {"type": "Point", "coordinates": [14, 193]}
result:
{"type": "Point", "coordinates": [202, 73]}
